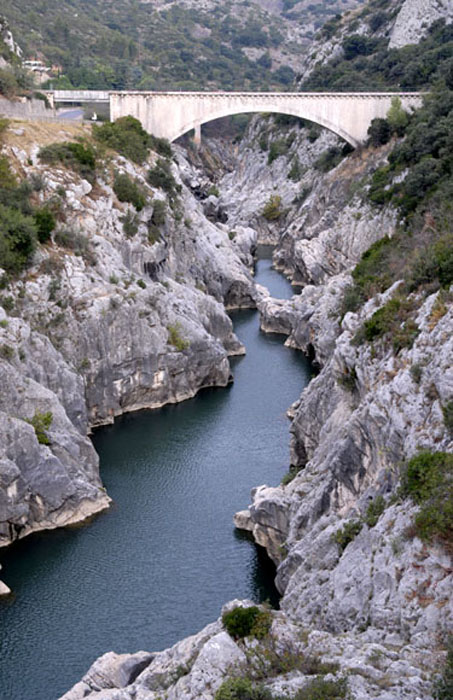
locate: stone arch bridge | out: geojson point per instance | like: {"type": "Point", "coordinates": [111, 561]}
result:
{"type": "Point", "coordinates": [172, 114]}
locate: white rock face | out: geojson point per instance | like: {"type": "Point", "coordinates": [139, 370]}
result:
{"type": "Point", "coordinates": [127, 323]}
{"type": "Point", "coordinates": [379, 606]}
{"type": "Point", "coordinates": [196, 667]}
{"type": "Point", "coordinates": [415, 18]}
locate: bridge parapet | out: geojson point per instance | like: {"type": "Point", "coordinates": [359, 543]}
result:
{"type": "Point", "coordinates": [79, 95]}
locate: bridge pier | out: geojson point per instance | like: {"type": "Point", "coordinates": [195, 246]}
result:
{"type": "Point", "coordinates": [197, 135]}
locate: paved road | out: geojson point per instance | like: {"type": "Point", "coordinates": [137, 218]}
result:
{"type": "Point", "coordinates": [73, 114]}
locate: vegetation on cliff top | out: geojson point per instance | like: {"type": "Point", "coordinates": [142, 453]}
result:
{"type": "Point", "coordinates": [419, 181]}
{"type": "Point", "coordinates": [367, 63]}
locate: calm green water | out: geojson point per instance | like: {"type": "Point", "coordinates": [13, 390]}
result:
{"type": "Point", "coordinates": [161, 562]}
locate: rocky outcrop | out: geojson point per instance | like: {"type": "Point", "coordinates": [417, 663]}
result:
{"type": "Point", "coordinates": [415, 18]}
{"type": "Point", "coordinates": [50, 480]}
{"type": "Point", "coordinates": [347, 445]}
{"type": "Point", "coordinates": [103, 323]}
{"type": "Point", "coordinates": [197, 666]}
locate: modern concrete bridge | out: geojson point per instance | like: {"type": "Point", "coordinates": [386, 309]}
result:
{"type": "Point", "coordinates": [171, 114]}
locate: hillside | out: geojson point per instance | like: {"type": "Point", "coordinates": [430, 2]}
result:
{"type": "Point", "coordinates": [176, 45]}
{"type": "Point", "coordinates": [386, 45]}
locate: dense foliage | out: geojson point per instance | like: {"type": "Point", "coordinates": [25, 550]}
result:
{"type": "Point", "coordinates": [367, 63]}
{"type": "Point", "coordinates": [105, 44]}
{"type": "Point", "coordinates": [428, 480]}
{"type": "Point", "coordinates": [419, 181]}
{"type": "Point", "coordinates": [129, 191]}
{"type": "Point", "coordinates": [127, 137]}
{"type": "Point", "coordinates": [243, 622]}
{"type": "Point", "coordinates": [78, 156]}
{"type": "Point", "coordinates": [13, 78]}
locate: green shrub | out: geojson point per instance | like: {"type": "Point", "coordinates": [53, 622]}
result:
{"type": "Point", "coordinates": [435, 262]}
{"type": "Point", "coordinates": [263, 142]}
{"type": "Point", "coordinates": [276, 149]}
{"type": "Point", "coordinates": [314, 133]}
{"type": "Point", "coordinates": [353, 299]}
{"type": "Point", "coordinates": [295, 172]}
{"type": "Point", "coordinates": [130, 224]}
{"type": "Point", "coordinates": [347, 534]}
{"type": "Point", "coordinates": [371, 273]}
{"type": "Point", "coordinates": [241, 689]}
{"type": "Point", "coordinates": [6, 352]}
{"type": "Point", "coordinates": [291, 474]}
{"type": "Point", "coordinates": [374, 511]}
{"type": "Point", "coordinates": [79, 157]}
{"type": "Point", "coordinates": [392, 321]}
{"type": "Point", "coordinates": [331, 158]}
{"type": "Point", "coordinates": [45, 223]}
{"type": "Point", "coordinates": [397, 117]}
{"type": "Point", "coordinates": [175, 338]}
{"type": "Point", "coordinates": [8, 83]}
{"type": "Point", "coordinates": [7, 303]}
{"type": "Point", "coordinates": [159, 214]}
{"type": "Point", "coordinates": [262, 625]}
{"type": "Point", "coordinates": [272, 209]}
{"type": "Point", "coordinates": [428, 480]}
{"type": "Point", "coordinates": [126, 136]}
{"type": "Point", "coordinates": [4, 125]}
{"type": "Point", "coordinates": [17, 239]}
{"type": "Point", "coordinates": [41, 422]}
{"type": "Point", "coordinates": [416, 372]}
{"type": "Point", "coordinates": [7, 178]}
{"type": "Point", "coordinates": [302, 195]}
{"type": "Point", "coordinates": [379, 132]}
{"type": "Point", "coordinates": [129, 191]}
{"type": "Point", "coordinates": [240, 622]}
{"type": "Point", "coordinates": [359, 45]}
{"type": "Point", "coordinates": [321, 689]}
{"type": "Point", "coordinates": [160, 176]}
{"type": "Point", "coordinates": [380, 190]}
{"type": "Point", "coordinates": [160, 146]}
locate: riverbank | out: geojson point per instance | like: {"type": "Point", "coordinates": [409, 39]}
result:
{"type": "Point", "coordinates": [132, 578]}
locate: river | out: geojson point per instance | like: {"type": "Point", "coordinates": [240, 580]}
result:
{"type": "Point", "coordinates": [161, 562]}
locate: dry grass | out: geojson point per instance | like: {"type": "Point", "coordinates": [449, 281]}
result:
{"type": "Point", "coordinates": [43, 133]}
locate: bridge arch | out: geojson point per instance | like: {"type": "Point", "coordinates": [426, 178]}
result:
{"type": "Point", "coordinates": [219, 114]}
{"type": "Point", "coordinates": [172, 114]}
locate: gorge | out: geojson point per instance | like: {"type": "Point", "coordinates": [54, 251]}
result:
{"type": "Point", "coordinates": [164, 555]}
{"type": "Point", "coordinates": [126, 303]}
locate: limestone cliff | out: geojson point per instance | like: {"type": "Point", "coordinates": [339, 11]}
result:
{"type": "Point", "coordinates": [103, 323]}
{"type": "Point", "coordinates": [414, 19]}
{"type": "Point", "coordinates": [360, 591]}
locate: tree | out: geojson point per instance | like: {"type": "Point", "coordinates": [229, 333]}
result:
{"type": "Point", "coordinates": [397, 117]}
{"type": "Point", "coordinates": [379, 132]}
{"type": "Point", "coordinates": [17, 239]}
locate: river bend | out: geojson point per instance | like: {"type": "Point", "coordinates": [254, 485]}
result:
{"type": "Point", "coordinates": [161, 562]}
